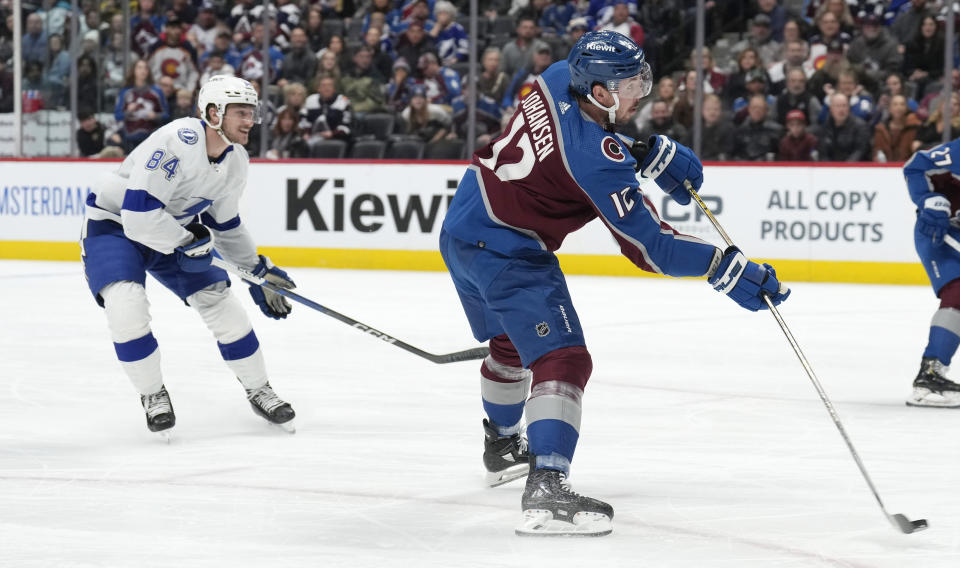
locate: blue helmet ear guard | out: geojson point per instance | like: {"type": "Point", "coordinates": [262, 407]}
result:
{"type": "Point", "coordinates": [608, 58]}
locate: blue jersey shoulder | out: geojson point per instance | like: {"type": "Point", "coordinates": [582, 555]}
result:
{"type": "Point", "coordinates": [597, 159]}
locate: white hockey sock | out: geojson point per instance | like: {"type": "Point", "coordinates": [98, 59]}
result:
{"type": "Point", "coordinates": [238, 344]}
{"type": "Point", "coordinates": [128, 317]}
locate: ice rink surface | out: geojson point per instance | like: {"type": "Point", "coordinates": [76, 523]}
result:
{"type": "Point", "coordinates": [699, 427]}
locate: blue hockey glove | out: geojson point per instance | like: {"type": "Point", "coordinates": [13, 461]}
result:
{"type": "Point", "coordinates": [934, 219]}
{"type": "Point", "coordinates": [746, 282]}
{"type": "Point", "coordinates": [272, 305]}
{"type": "Point", "coordinates": [196, 255]}
{"type": "Point", "coordinates": [670, 163]}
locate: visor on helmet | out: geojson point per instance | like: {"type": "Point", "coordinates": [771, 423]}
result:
{"type": "Point", "coordinates": [245, 111]}
{"type": "Point", "coordinates": [637, 86]}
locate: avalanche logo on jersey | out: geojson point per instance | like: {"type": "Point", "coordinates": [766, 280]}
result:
{"type": "Point", "coordinates": [611, 149]}
{"type": "Point", "coordinates": [188, 135]}
{"type": "Point", "coordinates": [170, 67]}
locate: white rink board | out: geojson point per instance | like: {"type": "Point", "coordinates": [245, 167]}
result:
{"type": "Point", "coordinates": [802, 213]}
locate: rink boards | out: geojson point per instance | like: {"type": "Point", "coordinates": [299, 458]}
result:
{"type": "Point", "coordinates": [828, 223]}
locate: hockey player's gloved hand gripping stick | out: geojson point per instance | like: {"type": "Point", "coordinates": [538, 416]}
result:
{"type": "Point", "coordinates": [899, 521]}
{"type": "Point", "coordinates": [253, 280]}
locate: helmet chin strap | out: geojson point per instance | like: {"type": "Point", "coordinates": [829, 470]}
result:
{"type": "Point", "coordinates": [611, 110]}
{"type": "Point", "coordinates": [219, 130]}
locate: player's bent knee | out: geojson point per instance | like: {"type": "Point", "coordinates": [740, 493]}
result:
{"type": "Point", "coordinates": [569, 364]}
{"type": "Point", "coordinates": [128, 310]}
{"type": "Point", "coordinates": [503, 351]}
{"type": "Point", "coordinates": [222, 312]}
{"type": "Point", "coordinates": [950, 295]}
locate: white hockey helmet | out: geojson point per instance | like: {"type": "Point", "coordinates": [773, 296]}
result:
{"type": "Point", "coordinates": [223, 90]}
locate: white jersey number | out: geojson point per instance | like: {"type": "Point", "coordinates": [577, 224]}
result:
{"type": "Point", "coordinates": [517, 170]}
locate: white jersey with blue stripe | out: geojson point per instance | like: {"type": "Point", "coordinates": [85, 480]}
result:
{"type": "Point", "coordinates": [166, 182]}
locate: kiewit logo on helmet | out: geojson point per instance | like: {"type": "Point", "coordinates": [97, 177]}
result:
{"type": "Point", "coordinates": [600, 46]}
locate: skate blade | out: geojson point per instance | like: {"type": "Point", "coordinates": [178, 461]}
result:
{"type": "Point", "coordinates": [498, 478]}
{"type": "Point", "coordinates": [165, 435]}
{"type": "Point", "coordinates": [929, 399]}
{"type": "Point", "coordinates": [289, 427]}
{"type": "Point", "coordinates": [539, 522]}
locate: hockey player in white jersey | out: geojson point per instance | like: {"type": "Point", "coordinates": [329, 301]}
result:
{"type": "Point", "coordinates": [172, 204]}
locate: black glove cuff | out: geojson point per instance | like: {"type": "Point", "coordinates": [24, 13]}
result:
{"type": "Point", "coordinates": [639, 151]}
{"type": "Point", "coordinates": [199, 231]}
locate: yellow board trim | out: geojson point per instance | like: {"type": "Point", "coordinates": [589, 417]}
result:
{"type": "Point", "coordinates": [599, 265]}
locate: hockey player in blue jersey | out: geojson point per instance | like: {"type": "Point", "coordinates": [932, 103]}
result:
{"type": "Point", "coordinates": [174, 202]}
{"type": "Point", "coordinates": [558, 165]}
{"type": "Point", "coordinates": [933, 180]}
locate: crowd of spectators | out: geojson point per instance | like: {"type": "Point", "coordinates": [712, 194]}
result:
{"type": "Point", "coordinates": [797, 80]}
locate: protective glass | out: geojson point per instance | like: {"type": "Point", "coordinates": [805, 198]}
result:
{"type": "Point", "coordinates": [637, 86]}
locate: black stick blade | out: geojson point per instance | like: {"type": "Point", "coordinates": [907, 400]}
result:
{"type": "Point", "coordinates": [907, 526]}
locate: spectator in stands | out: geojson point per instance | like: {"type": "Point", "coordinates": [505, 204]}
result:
{"type": "Point", "coordinates": [756, 85]}
{"type": "Point", "coordinates": [923, 56]}
{"type": "Point", "coordinates": [934, 92]}
{"type": "Point", "coordinates": [417, 11]}
{"type": "Point", "coordinates": [517, 53]}
{"type": "Point", "coordinates": [575, 30]}
{"type": "Point", "coordinates": [329, 66]}
{"type": "Point", "coordinates": [400, 86]}
{"type": "Point", "coordinates": [843, 137]}
{"type": "Point", "coordinates": [34, 41]}
{"type": "Point", "coordinates": [761, 40]}
{"type": "Point", "coordinates": [858, 98]}
{"type": "Point", "coordinates": [556, 17]}
{"type": "Point", "coordinates": [147, 14]}
{"type": "Point", "coordinates": [252, 66]}
{"type": "Point", "coordinates": [90, 135]}
{"type": "Point", "coordinates": [442, 83]}
{"type": "Point", "coordinates": [363, 84]}
{"type": "Point", "coordinates": [241, 19]}
{"type": "Point", "coordinates": [893, 137]}
{"type": "Point", "coordinates": [797, 145]}
{"type": "Point", "coordinates": [57, 70]}
{"type": "Point", "coordinates": [175, 59]}
{"type": "Point", "coordinates": [414, 42]}
{"type": "Point", "coordinates": [327, 113]}
{"type": "Point", "coordinates": [382, 60]}
{"type": "Point", "coordinates": [716, 136]}
{"type": "Point", "coordinates": [661, 122]}
{"type": "Point", "coordinates": [824, 78]}
{"type": "Point", "coordinates": [184, 106]}
{"type": "Point", "coordinates": [216, 65]}
{"type": "Point", "coordinates": [522, 82]}
{"type": "Point", "coordinates": [714, 80]}
{"type": "Point", "coordinates": [294, 97]}
{"type": "Point", "coordinates": [931, 133]}
{"type": "Point", "coordinates": [893, 86]}
{"type": "Point", "coordinates": [683, 109]}
{"type": "Point", "coordinates": [874, 53]}
{"type": "Point", "coordinates": [427, 121]}
{"type": "Point", "coordinates": [316, 36]}
{"type": "Point", "coordinates": [795, 56]}
{"type": "Point", "coordinates": [168, 89]}
{"type": "Point", "coordinates": [141, 107]}
{"type": "Point", "coordinates": [777, 15]}
{"type": "Point", "coordinates": [908, 20]}
{"type": "Point", "coordinates": [829, 36]}
{"type": "Point", "coordinates": [37, 91]}
{"type": "Point", "coordinates": [223, 44]}
{"type": "Point", "coordinates": [450, 37]}
{"type": "Point", "coordinates": [747, 60]}
{"type": "Point", "coordinates": [666, 92]}
{"type": "Point", "coordinates": [794, 30]}
{"type": "Point", "coordinates": [203, 34]}
{"type": "Point", "coordinates": [757, 139]}
{"type": "Point", "coordinates": [287, 140]}
{"type": "Point", "coordinates": [88, 85]}
{"type": "Point", "coordinates": [623, 23]}
{"type": "Point", "coordinates": [299, 64]}
{"type": "Point", "coordinates": [663, 30]}
{"type": "Point", "coordinates": [797, 97]}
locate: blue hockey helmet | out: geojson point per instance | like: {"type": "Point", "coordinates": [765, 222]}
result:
{"type": "Point", "coordinates": [611, 59]}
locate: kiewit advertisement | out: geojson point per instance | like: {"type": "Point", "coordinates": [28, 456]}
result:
{"type": "Point", "coordinates": [312, 212]}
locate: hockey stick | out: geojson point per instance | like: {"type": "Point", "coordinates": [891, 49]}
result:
{"type": "Point", "coordinates": [465, 355]}
{"type": "Point", "coordinates": [952, 242]}
{"type": "Point", "coordinates": [899, 521]}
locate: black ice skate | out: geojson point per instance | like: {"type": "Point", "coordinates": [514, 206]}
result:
{"type": "Point", "coordinates": [551, 508]}
{"type": "Point", "coordinates": [505, 458]}
{"type": "Point", "coordinates": [159, 411]}
{"type": "Point", "coordinates": [271, 407]}
{"type": "Point", "coordinates": [932, 388]}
